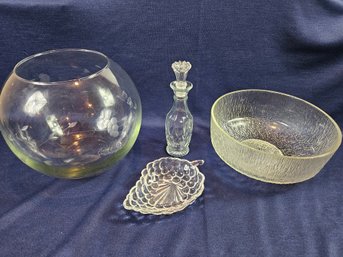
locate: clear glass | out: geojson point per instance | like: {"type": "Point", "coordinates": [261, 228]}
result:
{"type": "Point", "coordinates": [179, 120]}
{"type": "Point", "coordinates": [166, 186]}
{"type": "Point", "coordinates": [272, 136]}
{"type": "Point", "coordinates": [69, 113]}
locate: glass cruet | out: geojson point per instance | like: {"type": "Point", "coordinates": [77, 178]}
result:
{"type": "Point", "coordinates": [179, 120]}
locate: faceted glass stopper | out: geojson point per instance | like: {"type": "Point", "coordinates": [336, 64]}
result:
{"type": "Point", "coordinates": [180, 86]}
{"type": "Point", "coordinates": [181, 69]}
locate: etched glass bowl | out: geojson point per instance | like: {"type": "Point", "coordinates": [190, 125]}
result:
{"type": "Point", "coordinates": [69, 113]}
{"type": "Point", "coordinates": [166, 186]}
{"type": "Point", "coordinates": [271, 136]}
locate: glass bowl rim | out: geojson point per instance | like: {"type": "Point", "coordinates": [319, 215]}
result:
{"type": "Point", "coordinates": [93, 75]}
{"type": "Point", "coordinates": [330, 151]}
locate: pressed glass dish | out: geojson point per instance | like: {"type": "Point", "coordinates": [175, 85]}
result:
{"type": "Point", "coordinates": [69, 113]}
{"type": "Point", "coordinates": [166, 186]}
{"type": "Point", "coordinates": [271, 136]}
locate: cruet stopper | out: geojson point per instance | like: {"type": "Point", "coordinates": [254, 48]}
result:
{"type": "Point", "coordinates": [179, 120]}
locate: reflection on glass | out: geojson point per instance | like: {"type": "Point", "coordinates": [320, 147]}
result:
{"type": "Point", "coordinates": [35, 103]}
{"type": "Point", "coordinates": [52, 122]}
{"type": "Point", "coordinates": [106, 96]}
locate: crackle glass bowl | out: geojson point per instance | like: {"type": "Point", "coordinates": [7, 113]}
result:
{"type": "Point", "coordinates": [271, 136]}
{"type": "Point", "coordinates": [69, 113]}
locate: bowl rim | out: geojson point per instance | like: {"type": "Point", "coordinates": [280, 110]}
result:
{"type": "Point", "coordinates": [330, 151]}
{"type": "Point", "coordinates": [93, 75]}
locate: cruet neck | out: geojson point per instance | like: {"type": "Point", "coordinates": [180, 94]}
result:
{"type": "Point", "coordinates": [181, 88]}
{"type": "Point", "coordinates": [180, 103]}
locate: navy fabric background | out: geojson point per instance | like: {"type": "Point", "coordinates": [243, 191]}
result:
{"type": "Point", "coordinates": [291, 46]}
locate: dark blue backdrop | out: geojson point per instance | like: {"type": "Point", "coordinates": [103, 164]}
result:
{"type": "Point", "coordinates": [291, 46]}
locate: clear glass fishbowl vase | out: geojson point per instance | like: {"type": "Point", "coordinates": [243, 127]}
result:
{"type": "Point", "coordinates": [69, 113]}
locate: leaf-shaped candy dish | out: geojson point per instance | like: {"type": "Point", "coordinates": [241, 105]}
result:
{"type": "Point", "coordinates": [166, 186]}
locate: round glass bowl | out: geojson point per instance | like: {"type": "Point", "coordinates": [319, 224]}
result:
{"type": "Point", "coordinates": [271, 136]}
{"type": "Point", "coordinates": [69, 113]}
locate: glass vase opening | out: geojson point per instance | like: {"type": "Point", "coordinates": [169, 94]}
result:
{"type": "Point", "coordinates": [62, 65]}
